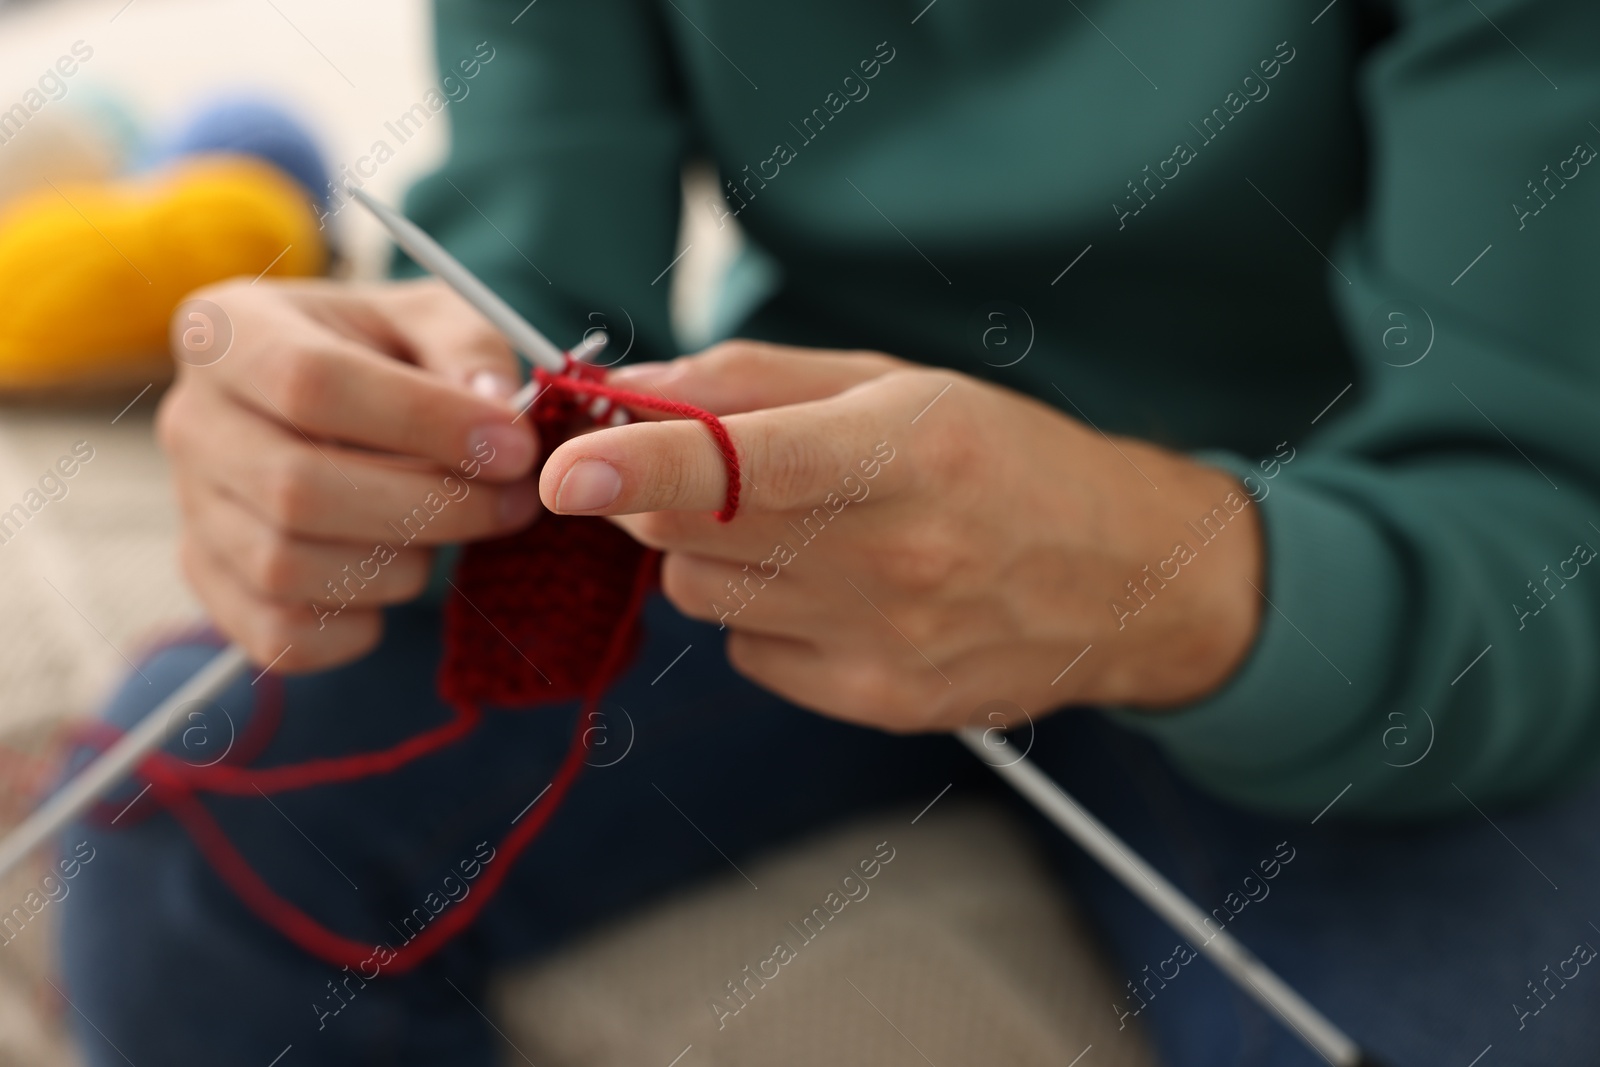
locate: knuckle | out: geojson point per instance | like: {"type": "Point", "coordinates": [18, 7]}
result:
{"type": "Point", "coordinates": [428, 294]}
{"type": "Point", "coordinates": [172, 417]}
{"type": "Point", "coordinates": [411, 575]}
{"type": "Point", "coordinates": [301, 382]}
{"type": "Point", "coordinates": [792, 464]}
{"type": "Point", "coordinates": [672, 478]}
{"type": "Point", "coordinates": [882, 362]}
{"type": "Point", "coordinates": [275, 567]}
{"type": "Point", "coordinates": [410, 583]}
{"type": "Point", "coordinates": [743, 652]}
{"type": "Point", "coordinates": [227, 290]}
{"type": "Point", "coordinates": [361, 635]}
{"type": "Point", "coordinates": [289, 494]}
{"type": "Point", "coordinates": [676, 585]}
{"type": "Point", "coordinates": [193, 505]}
{"type": "Point", "coordinates": [961, 414]}
{"type": "Point", "coordinates": [745, 363]}
{"type": "Point", "coordinates": [276, 628]}
{"type": "Point", "coordinates": [481, 515]}
{"type": "Point", "coordinates": [880, 365]}
{"type": "Point", "coordinates": [684, 584]}
{"type": "Point", "coordinates": [189, 564]}
{"type": "Point", "coordinates": [871, 693]}
{"type": "Point", "coordinates": [432, 306]}
{"type": "Point", "coordinates": [228, 294]}
{"type": "Point", "coordinates": [910, 706]}
{"type": "Point", "coordinates": [925, 630]}
{"type": "Point", "coordinates": [418, 411]}
{"type": "Point", "coordinates": [922, 560]}
{"type": "Point", "coordinates": [915, 376]}
{"type": "Point", "coordinates": [726, 355]}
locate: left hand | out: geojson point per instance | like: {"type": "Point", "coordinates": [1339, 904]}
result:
{"type": "Point", "coordinates": [914, 543]}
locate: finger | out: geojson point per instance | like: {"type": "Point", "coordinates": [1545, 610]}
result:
{"type": "Point", "coordinates": [441, 332]}
{"type": "Point", "coordinates": [422, 321]}
{"type": "Point", "coordinates": [821, 454]}
{"type": "Point", "coordinates": [699, 533]}
{"type": "Point", "coordinates": [799, 672]}
{"type": "Point", "coordinates": [839, 685]}
{"type": "Point", "coordinates": [738, 376]}
{"type": "Point", "coordinates": [326, 386]}
{"type": "Point", "coordinates": [289, 638]}
{"type": "Point", "coordinates": [331, 493]}
{"type": "Point", "coordinates": [749, 597]}
{"type": "Point", "coordinates": [288, 570]}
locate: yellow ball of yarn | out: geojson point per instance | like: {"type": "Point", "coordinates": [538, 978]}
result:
{"type": "Point", "coordinates": [91, 272]}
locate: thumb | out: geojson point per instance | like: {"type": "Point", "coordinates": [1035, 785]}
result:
{"type": "Point", "coordinates": [443, 333]}
{"type": "Point", "coordinates": [739, 376]}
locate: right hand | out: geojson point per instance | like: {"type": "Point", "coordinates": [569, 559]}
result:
{"type": "Point", "coordinates": [337, 412]}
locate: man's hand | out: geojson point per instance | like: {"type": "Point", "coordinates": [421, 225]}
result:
{"type": "Point", "coordinates": [914, 543]}
{"type": "Point", "coordinates": [345, 430]}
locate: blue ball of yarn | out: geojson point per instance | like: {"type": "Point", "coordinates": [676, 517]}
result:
{"type": "Point", "coordinates": [257, 128]}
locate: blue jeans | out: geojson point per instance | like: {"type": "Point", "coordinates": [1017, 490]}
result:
{"type": "Point", "coordinates": [1420, 942]}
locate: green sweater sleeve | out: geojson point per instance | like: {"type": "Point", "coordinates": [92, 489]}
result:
{"type": "Point", "coordinates": [1433, 618]}
{"type": "Point", "coordinates": [580, 105]}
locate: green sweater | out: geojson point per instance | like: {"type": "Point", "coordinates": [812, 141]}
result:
{"type": "Point", "coordinates": [1243, 229]}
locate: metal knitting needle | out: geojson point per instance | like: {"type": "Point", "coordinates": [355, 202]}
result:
{"type": "Point", "coordinates": [518, 331]}
{"type": "Point", "coordinates": [1169, 902]}
{"type": "Point", "coordinates": [118, 761]}
{"type": "Point", "coordinates": [431, 256]}
{"type": "Point", "coordinates": [593, 342]}
{"type": "Point", "coordinates": [207, 684]}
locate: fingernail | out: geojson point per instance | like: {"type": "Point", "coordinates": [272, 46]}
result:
{"type": "Point", "coordinates": [487, 383]}
{"type": "Point", "coordinates": [589, 485]}
{"type": "Point", "coordinates": [502, 448]}
{"type": "Point", "coordinates": [519, 503]}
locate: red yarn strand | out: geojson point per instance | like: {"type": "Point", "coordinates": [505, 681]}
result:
{"type": "Point", "coordinates": [224, 858]}
{"type": "Point", "coordinates": [581, 389]}
{"type": "Point", "coordinates": [175, 784]}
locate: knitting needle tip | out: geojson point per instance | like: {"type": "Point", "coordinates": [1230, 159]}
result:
{"type": "Point", "coordinates": [431, 255]}
{"type": "Point", "coordinates": [591, 345]}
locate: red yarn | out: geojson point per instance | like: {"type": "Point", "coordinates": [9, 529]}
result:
{"type": "Point", "coordinates": [570, 589]}
{"type": "Point", "coordinates": [581, 387]}
{"type": "Point", "coordinates": [177, 795]}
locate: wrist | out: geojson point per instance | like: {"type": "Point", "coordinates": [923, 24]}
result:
{"type": "Point", "coordinates": [1186, 616]}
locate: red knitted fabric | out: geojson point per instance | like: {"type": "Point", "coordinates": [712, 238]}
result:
{"type": "Point", "coordinates": [543, 616]}
{"type": "Point", "coordinates": [533, 613]}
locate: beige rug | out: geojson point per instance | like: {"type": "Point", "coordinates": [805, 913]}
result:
{"type": "Point", "coordinates": [961, 951]}
{"type": "Point", "coordinates": [83, 582]}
